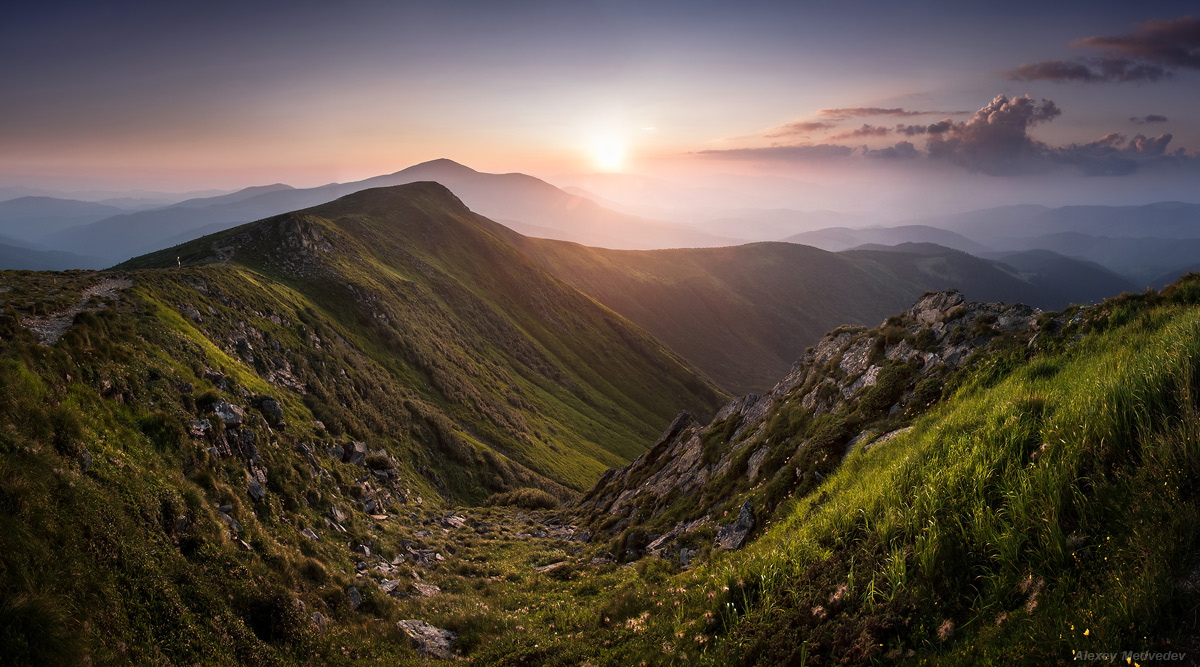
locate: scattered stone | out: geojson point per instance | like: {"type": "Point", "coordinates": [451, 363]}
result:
{"type": "Point", "coordinates": [427, 639]}
{"type": "Point", "coordinates": [199, 428]}
{"type": "Point", "coordinates": [311, 534]}
{"type": "Point", "coordinates": [422, 534]}
{"type": "Point", "coordinates": [389, 585]}
{"type": "Point", "coordinates": [256, 490]}
{"type": "Point", "coordinates": [318, 620]}
{"type": "Point", "coordinates": [231, 415]}
{"type": "Point", "coordinates": [242, 543]}
{"type": "Point", "coordinates": [85, 459]}
{"type": "Point", "coordinates": [181, 524]}
{"type": "Point", "coordinates": [363, 549]}
{"type": "Point", "coordinates": [335, 452]}
{"type": "Point", "coordinates": [337, 514]}
{"type": "Point", "coordinates": [355, 598]}
{"type": "Point", "coordinates": [233, 523]}
{"type": "Point", "coordinates": [734, 535]}
{"type": "Point", "coordinates": [551, 567]}
{"type": "Point", "coordinates": [426, 590]}
{"type": "Point", "coordinates": [454, 521]}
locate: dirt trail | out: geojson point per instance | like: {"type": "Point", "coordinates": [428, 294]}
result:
{"type": "Point", "coordinates": [49, 328]}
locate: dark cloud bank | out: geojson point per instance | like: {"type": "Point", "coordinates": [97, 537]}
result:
{"type": "Point", "coordinates": [1154, 51]}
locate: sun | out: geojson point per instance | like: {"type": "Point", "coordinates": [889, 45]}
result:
{"type": "Point", "coordinates": [608, 152]}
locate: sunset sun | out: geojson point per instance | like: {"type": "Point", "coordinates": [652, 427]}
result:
{"type": "Point", "coordinates": [608, 153]}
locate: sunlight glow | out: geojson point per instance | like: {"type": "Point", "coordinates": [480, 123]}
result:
{"type": "Point", "coordinates": [608, 152]}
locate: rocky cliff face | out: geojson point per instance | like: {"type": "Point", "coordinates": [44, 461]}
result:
{"type": "Point", "coordinates": [856, 388]}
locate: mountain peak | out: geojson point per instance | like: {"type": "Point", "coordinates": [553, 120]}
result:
{"type": "Point", "coordinates": [441, 165]}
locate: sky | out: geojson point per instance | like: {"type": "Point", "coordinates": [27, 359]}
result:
{"type": "Point", "coordinates": [845, 105]}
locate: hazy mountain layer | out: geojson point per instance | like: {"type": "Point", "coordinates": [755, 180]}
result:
{"type": "Point", "coordinates": [523, 202]}
{"type": "Point", "coordinates": [744, 314]}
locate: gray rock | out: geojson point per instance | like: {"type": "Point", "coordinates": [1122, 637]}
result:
{"type": "Point", "coordinates": [336, 452]}
{"type": "Point", "coordinates": [85, 459]}
{"type": "Point", "coordinates": [256, 490]}
{"type": "Point", "coordinates": [231, 415]}
{"type": "Point", "coordinates": [363, 549]}
{"type": "Point", "coordinates": [318, 620]}
{"type": "Point", "coordinates": [733, 536]}
{"type": "Point", "coordinates": [337, 514]}
{"type": "Point", "coordinates": [427, 639]}
{"type": "Point", "coordinates": [355, 598]}
{"type": "Point", "coordinates": [311, 534]}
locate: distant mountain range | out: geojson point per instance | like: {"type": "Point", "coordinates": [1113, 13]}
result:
{"type": "Point", "coordinates": [523, 202]}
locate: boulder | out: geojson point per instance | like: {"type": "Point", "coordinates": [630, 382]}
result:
{"type": "Point", "coordinates": [256, 490]}
{"type": "Point", "coordinates": [85, 459]}
{"type": "Point", "coordinates": [271, 409]}
{"type": "Point", "coordinates": [230, 414]}
{"type": "Point", "coordinates": [318, 620]}
{"type": "Point", "coordinates": [354, 597]}
{"type": "Point", "coordinates": [733, 536]}
{"type": "Point", "coordinates": [427, 639]}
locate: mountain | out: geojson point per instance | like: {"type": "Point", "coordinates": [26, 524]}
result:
{"type": "Point", "coordinates": [30, 218]}
{"type": "Point", "coordinates": [520, 201]}
{"type": "Point", "coordinates": [1067, 279]}
{"type": "Point", "coordinates": [743, 314]}
{"type": "Point", "coordinates": [1039, 277]}
{"type": "Point", "coordinates": [23, 258]}
{"type": "Point", "coordinates": [1176, 220]}
{"type": "Point", "coordinates": [835, 239]}
{"type": "Point", "coordinates": [1141, 259]}
{"type": "Point", "coordinates": [480, 329]}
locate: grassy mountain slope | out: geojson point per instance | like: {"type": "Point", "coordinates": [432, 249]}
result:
{"type": "Point", "coordinates": [435, 295]}
{"type": "Point", "coordinates": [194, 460]}
{"type": "Point", "coordinates": [1046, 505]}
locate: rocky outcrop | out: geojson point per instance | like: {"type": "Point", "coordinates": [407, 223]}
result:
{"type": "Point", "coordinates": [734, 535]}
{"type": "Point", "coordinates": [427, 639]}
{"type": "Point", "coordinates": [866, 382]}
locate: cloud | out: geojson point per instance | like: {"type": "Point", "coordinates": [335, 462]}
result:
{"type": "Point", "coordinates": [798, 153]}
{"type": "Point", "coordinates": [858, 112]}
{"type": "Point", "coordinates": [864, 131]}
{"type": "Point", "coordinates": [995, 140]}
{"type": "Point", "coordinates": [1149, 146]}
{"type": "Point", "coordinates": [1174, 43]}
{"type": "Point", "coordinates": [1106, 157]}
{"type": "Point", "coordinates": [903, 150]}
{"type": "Point", "coordinates": [1153, 52]}
{"type": "Point", "coordinates": [800, 127]}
